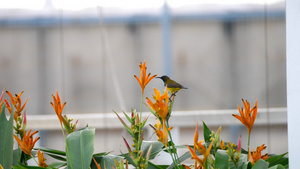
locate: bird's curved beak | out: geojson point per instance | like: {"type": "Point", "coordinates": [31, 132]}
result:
{"type": "Point", "coordinates": [158, 77]}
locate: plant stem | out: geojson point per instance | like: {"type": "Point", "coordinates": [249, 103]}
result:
{"type": "Point", "coordinates": [176, 160]}
{"type": "Point", "coordinates": [170, 152]}
{"type": "Point", "coordinates": [67, 149]}
{"type": "Point", "coordinates": [248, 139]}
{"type": "Point", "coordinates": [34, 159]}
{"type": "Point", "coordinates": [139, 125]}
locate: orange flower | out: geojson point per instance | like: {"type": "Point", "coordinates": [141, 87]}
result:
{"type": "Point", "coordinates": [162, 135]}
{"type": "Point", "coordinates": [98, 166]}
{"type": "Point", "coordinates": [41, 159]}
{"type": "Point", "coordinates": [248, 116]}
{"type": "Point", "coordinates": [203, 151]}
{"type": "Point", "coordinates": [161, 104]}
{"type": "Point", "coordinates": [144, 78]}
{"type": "Point", "coordinates": [1, 97]}
{"type": "Point", "coordinates": [27, 143]}
{"type": "Point", "coordinates": [16, 101]}
{"type": "Point", "coordinates": [222, 145]}
{"type": "Point", "coordinates": [58, 108]}
{"type": "Point", "coordinates": [1, 103]}
{"type": "Point", "coordinates": [7, 106]}
{"type": "Point", "coordinates": [200, 148]}
{"type": "Point", "coordinates": [256, 155]}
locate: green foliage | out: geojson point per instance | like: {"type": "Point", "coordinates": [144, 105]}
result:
{"type": "Point", "coordinates": [80, 148]}
{"type": "Point", "coordinates": [206, 132]}
{"type": "Point", "coordinates": [21, 166]}
{"type": "Point", "coordinates": [279, 166]}
{"type": "Point", "coordinates": [278, 160]}
{"type": "Point", "coordinates": [56, 154]}
{"type": "Point", "coordinates": [222, 159]}
{"type": "Point", "coordinates": [106, 161]}
{"type": "Point", "coordinates": [6, 141]}
{"type": "Point", "coordinates": [156, 148]}
{"type": "Point", "coordinates": [260, 164]}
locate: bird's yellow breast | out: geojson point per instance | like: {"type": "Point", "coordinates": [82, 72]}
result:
{"type": "Point", "coordinates": [173, 89]}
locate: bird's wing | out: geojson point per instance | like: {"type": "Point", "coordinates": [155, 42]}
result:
{"type": "Point", "coordinates": [173, 84]}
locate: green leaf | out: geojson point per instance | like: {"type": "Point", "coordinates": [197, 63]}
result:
{"type": "Point", "coordinates": [101, 154]}
{"type": "Point", "coordinates": [247, 165]}
{"type": "Point", "coordinates": [7, 140]}
{"type": "Point", "coordinates": [279, 166]}
{"type": "Point", "coordinates": [221, 159]}
{"type": "Point", "coordinates": [125, 125]}
{"type": "Point", "coordinates": [80, 148]}
{"type": "Point", "coordinates": [128, 157]}
{"type": "Point", "coordinates": [242, 163]}
{"type": "Point", "coordinates": [57, 157]}
{"type": "Point", "coordinates": [206, 132]}
{"type": "Point", "coordinates": [57, 164]}
{"type": "Point", "coordinates": [56, 154]}
{"type": "Point", "coordinates": [127, 117]}
{"type": "Point", "coordinates": [106, 161]}
{"type": "Point", "coordinates": [153, 166]}
{"type": "Point", "coordinates": [20, 157]}
{"type": "Point", "coordinates": [16, 156]}
{"type": "Point", "coordinates": [145, 120]}
{"type": "Point", "coordinates": [156, 148]}
{"type": "Point", "coordinates": [21, 166]}
{"type": "Point", "coordinates": [51, 151]}
{"type": "Point", "coordinates": [260, 164]}
{"type": "Point", "coordinates": [277, 159]}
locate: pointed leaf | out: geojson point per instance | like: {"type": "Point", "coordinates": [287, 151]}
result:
{"type": "Point", "coordinates": [128, 157]}
{"type": "Point", "coordinates": [57, 157]}
{"type": "Point", "coordinates": [125, 125]}
{"type": "Point", "coordinates": [80, 148]}
{"type": "Point", "coordinates": [127, 117]}
{"type": "Point", "coordinates": [277, 159]}
{"type": "Point", "coordinates": [145, 120]}
{"type": "Point", "coordinates": [6, 141]}
{"type": "Point", "coordinates": [206, 132]}
{"type": "Point", "coordinates": [51, 151]}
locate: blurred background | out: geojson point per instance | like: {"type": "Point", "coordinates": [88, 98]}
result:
{"type": "Point", "coordinates": [88, 51]}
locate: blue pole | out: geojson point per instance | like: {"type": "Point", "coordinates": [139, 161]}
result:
{"type": "Point", "coordinates": [165, 24]}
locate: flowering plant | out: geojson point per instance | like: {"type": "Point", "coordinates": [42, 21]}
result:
{"type": "Point", "coordinates": [210, 153]}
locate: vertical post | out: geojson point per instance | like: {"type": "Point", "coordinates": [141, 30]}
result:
{"type": "Point", "coordinates": [165, 24]}
{"type": "Point", "coordinates": [293, 79]}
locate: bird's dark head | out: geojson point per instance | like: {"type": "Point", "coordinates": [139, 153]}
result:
{"type": "Point", "coordinates": [164, 78]}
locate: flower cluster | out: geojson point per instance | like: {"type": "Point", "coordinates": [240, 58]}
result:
{"type": "Point", "coordinates": [198, 146]}
{"type": "Point", "coordinates": [209, 153]}
{"type": "Point", "coordinates": [144, 78]}
{"type": "Point", "coordinates": [58, 108]}
{"type": "Point", "coordinates": [27, 143]}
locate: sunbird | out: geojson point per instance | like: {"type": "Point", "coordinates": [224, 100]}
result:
{"type": "Point", "coordinates": [172, 86]}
